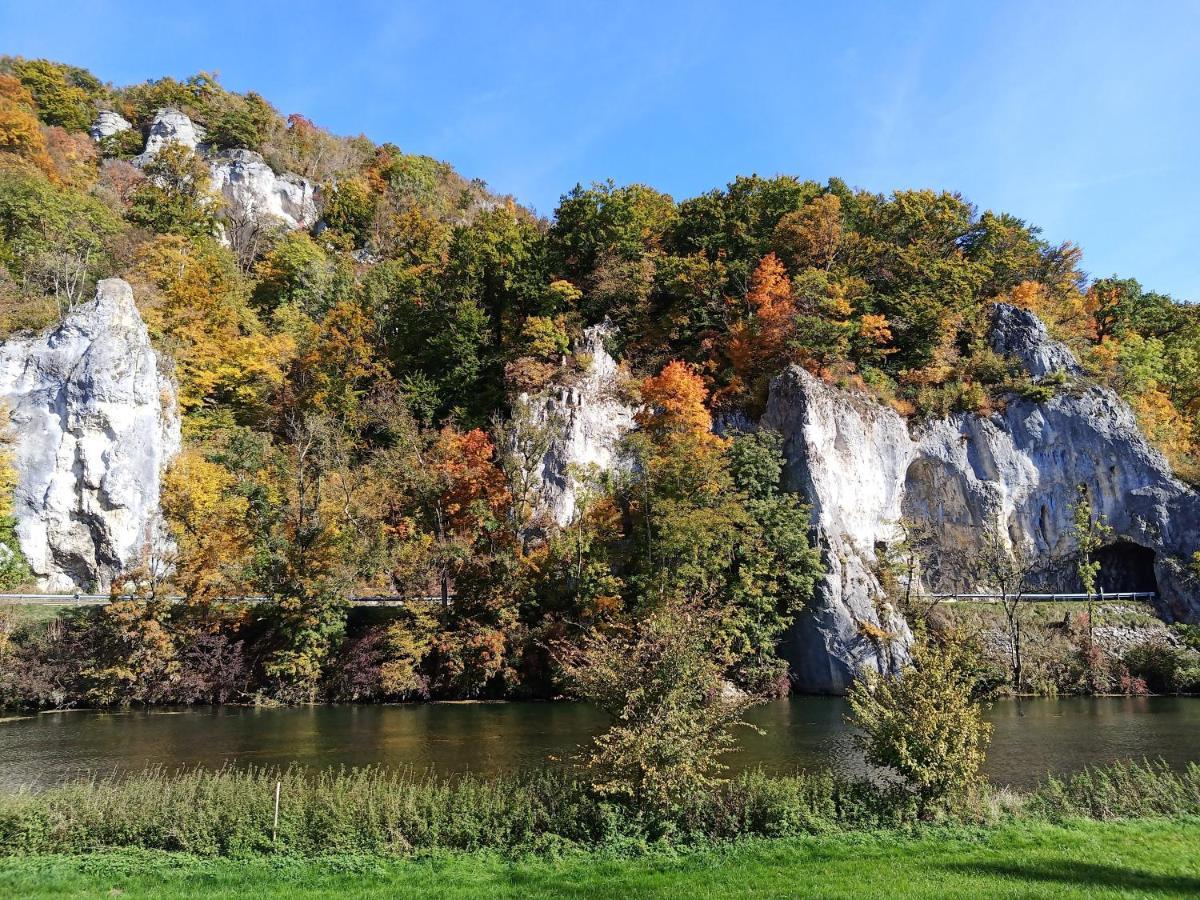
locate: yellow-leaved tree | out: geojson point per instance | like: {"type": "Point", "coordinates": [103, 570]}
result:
{"type": "Point", "coordinates": [13, 569]}
{"type": "Point", "coordinates": [208, 521]}
{"type": "Point", "coordinates": [200, 313]}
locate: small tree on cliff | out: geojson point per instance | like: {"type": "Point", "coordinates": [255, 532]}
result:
{"type": "Point", "coordinates": [1090, 533]}
{"type": "Point", "coordinates": [1009, 570]}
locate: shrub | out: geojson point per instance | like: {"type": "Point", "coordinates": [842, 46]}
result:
{"type": "Point", "coordinates": [1121, 791]}
{"type": "Point", "coordinates": [925, 725]}
{"type": "Point", "coordinates": [1166, 669]}
{"type": "Point", "coordinates": [672, 716]}
{"type": "Point", "coordinates": [373, 810]}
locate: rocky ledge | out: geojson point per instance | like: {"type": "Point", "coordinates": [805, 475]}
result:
{"type": "Point", "coordinates": [94, 423]}
{"type": "Point", "coordinates": [254, 194]}
{"type": "Point", "coordinates": [586, 420]}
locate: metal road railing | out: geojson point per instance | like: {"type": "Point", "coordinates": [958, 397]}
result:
{"type": "Point", "coordinates": [105, 599]}
{"type": "Point", "coordinates": [1145, 596]}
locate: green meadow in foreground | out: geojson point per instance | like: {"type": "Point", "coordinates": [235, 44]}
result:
{"type": "Point", "coordinates": [1079, 859]}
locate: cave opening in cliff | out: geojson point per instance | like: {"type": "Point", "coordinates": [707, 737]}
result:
{"type": "Point", "coordinates": [1126, 566]}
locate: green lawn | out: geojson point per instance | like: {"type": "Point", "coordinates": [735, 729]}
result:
{"type": "Point", "coordinates": [1135, 859]}
{"type": "Point", "coordinates": [32, 613]}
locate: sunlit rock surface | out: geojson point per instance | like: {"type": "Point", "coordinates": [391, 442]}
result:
{"type": "Point", "coordinates": [586, 420]}
{"type": "Point", "coordinates": [847, 456]}
{"type": "Point", "coordinates": [107, 124]}
{"type": "Point", "coordinates": [170, 126]}
{"type": "Point", "coordinates": [1014, 475]}
{"type": "Point", "coordinates": [254, 195]}
{"type": "Point", "coordinates": [94, 424]}
{"type": "Point", "coordinates": [253, 191]}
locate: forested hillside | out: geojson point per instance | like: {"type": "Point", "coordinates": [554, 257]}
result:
{"type": "Point", "coordinates": [348, 389]}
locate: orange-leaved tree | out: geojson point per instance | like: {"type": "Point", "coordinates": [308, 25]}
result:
{"type": "Point", "coordinates": [208, 520]}
{"type": "Point", "coordinates": [759, 344]}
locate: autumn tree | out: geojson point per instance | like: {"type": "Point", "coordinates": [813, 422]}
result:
{"type": "Point", "coordinates": [926, 725]}
{"type": "Point", "coordinates": [199, 311]}
{"type": "Point", "coordinates": [1010, 570]}
{"type": "Point", "coordinates": [65, 95]}
{"type": "Point", "coordinates": [813, 235]}
{"type": "Point", "coordinates": [209, 523]}
{"type": "Point", "coordinates": [661, 684]}
{"type": "Point", "coordinates": [1090, 533]}
{"type": "Point", "coordinates": [20, 132]}
{"type": "Point", "coordinates": [306, 562]}
{"type": "Point", "coordinates": [338, 366]}
{"type": "Point", "coordinates": [53, 239]}
{"type": "Point", "coordinates": [759, 347]}
{"type": "Point", "coordinates": [713, 526]}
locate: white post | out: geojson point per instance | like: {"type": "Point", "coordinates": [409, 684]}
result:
{"type": "Point", "coordinates": [275, 824]}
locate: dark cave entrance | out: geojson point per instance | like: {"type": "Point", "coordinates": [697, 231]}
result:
{"type": "Point", "coordinates": [1126, 566]}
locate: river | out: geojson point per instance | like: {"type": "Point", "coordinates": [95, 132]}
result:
{"type": "Point", "coordinates": [1031, 738]}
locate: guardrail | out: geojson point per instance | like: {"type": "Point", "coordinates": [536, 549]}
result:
{"type": "Point", "coordinates": [1146, 596]}
{"type": "Point", "coordinates": [402, 599]}
{"type": "Point", "coordinates": [105, 599]}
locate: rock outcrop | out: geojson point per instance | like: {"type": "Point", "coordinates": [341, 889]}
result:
{"type": "Point", "coordinates": [847, 456]}
{"type": "Point", "coordinates": [253, 191]}
{"type": "Point", "coordinates": [1018, 473]}
{"type": "Point", "coordinates": [1018, 333]}
{"type": "Point", "coordinates": [586, 421]}
{"type": "Point", "coordinates": [1008, 479]}
{"type": "Point", "coordinates": [94, 423]}
{"type": "Point", "coordinates": [170, 126]}
{"type": "Point", "coordinates": [254, 195]}
{"type": "Point", "coordinates": [107, 124]}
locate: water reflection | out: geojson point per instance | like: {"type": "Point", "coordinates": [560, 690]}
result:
{"type": "Point", "coordinates": [1031, 738]}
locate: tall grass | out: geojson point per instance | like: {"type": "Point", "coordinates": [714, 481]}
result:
{"type": "Point", "coordinates": [1120, 791]}
{"type": "Point", "coordinates": [383, 811]}
{"type": "Point", "coordinates": [339, 810]}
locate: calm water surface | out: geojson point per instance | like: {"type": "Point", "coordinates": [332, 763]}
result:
{"type": "Point", "coordinates": [1031, 738]}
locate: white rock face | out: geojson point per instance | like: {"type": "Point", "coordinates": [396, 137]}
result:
{"type": "Point", "coordinates": [847, 456]}
{"type": "Point", "coordinates": [254, 194]}
{"type": "Point", "coordinates": [1019, 472]}
{"type": "Point", "coordinates": [1015, 474]}
{"type": "Point", "coordinates": [95, 423]}
{"type": "Point", "coordinates": [588, 421]}
{"type": "Point", "coordinates": [107, 124]}
{"type": "Point", "coordinates": [253, 191]}
{"type": "Point", "coordinates": [170, 126]}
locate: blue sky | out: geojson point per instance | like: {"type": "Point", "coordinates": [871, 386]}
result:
{"type": "Point", "coordinates": [1081, 117]}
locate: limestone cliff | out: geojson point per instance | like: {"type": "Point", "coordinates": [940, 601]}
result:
{"type": "Point", "coordinates": [1020, 470]}
{"type": "Point", "coordinates": [1014, 474]}
{"type": "Point", "coordinates": [94, 423]}
{"type": "Point", "coordinates": [252, 190]}
{"type": "Point", "coordinates": [253, 193]}
{"type": "Point", "coordinates": [107, 124]}
{"type": "Point", "coordinates": [847, 456]}
{"type": "Point", "coordinates": [169, 126]}
{"type": "Point", "coordinates": [586, 419]}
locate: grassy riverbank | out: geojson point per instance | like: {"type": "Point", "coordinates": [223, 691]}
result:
{"type": "Point", "coordinates": [1079, 859]}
